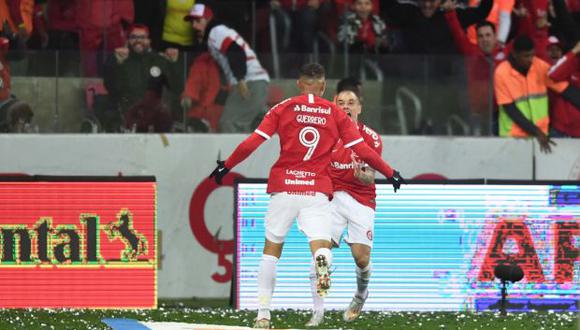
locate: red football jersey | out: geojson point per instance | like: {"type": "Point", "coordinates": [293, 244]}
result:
{"type": "Point", "coordinates": [342, 169]}
{"type": "Point", "coordinates": [309, 127]}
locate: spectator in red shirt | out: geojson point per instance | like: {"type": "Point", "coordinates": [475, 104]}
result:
{"type": "Point", "coordinates": [5, 81]}
{"type": "Point", "coordinates": [564, 116]}
{"type": "Point", "coordinates": [340, 8]}
{"type": "Point", "coordinates": [533, 22]}
{"type": "Point", "coordinates": [481, 60]}
{"type": "Point", "coordinates": [61, 22]}
{"type": "Point", "coordinates": [361, 30]}
{"type": "Point", "coordinates": [55, 29]}
{"type": "Point", "coordinates": [15, 115]}
{"type": "Point", "coordinates": [101, 25]}
{"type": "Point", "coordinates": [204, 95]}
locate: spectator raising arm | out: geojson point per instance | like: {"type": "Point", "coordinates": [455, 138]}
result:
{"type": "Point", "coordinates": [504, 20]}
{"type": "Point", "coordinates": [459, 37]}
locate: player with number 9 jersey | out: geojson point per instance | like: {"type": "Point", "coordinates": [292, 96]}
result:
{"type": "Point", "coordinates": [308, 127]}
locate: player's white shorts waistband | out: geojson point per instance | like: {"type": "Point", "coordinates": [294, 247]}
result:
{"type": "Point", "coordinates": [312, 212]}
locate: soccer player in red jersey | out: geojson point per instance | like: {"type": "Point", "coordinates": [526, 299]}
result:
{"type": "Point", "coordinates": [308, 127]}
{"type": "Point", "coordinates": [353, 205]}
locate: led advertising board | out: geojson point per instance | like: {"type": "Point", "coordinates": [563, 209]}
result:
{"type": "Point", "coordinates": [78, 242]}
{"type": "Point", "coordinates": [435, 249]}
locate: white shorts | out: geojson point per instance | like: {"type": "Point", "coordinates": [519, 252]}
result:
{"type": "Point", "coordinates": [312, 211]}
{"type": "Point", "coordinates": [348, 212]}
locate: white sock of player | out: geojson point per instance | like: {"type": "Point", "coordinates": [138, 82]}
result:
{"type": "Point", "coordinates": [363, 276]}
{"type": "Point", "coordinates": [317, 300]}
{"type": "Point", "coordinates": [266, 284]}
{"type": "Point", "coordinates": [325, 252]}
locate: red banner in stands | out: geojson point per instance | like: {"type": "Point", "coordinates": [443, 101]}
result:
{"type": "Point", "coordinates": [78, 242]}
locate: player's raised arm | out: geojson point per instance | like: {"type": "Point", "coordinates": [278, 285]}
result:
{"type": "Point", "coordinates": [242, 152]}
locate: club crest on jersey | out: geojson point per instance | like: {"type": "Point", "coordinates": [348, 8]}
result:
{"type": "Point", "coordinates": [370, 235]}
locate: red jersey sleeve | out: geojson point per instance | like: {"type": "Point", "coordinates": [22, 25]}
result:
{"type": "Point", "coordinates": [269, 125]}
{"type": "Point", "coordinates": [564, 68]}
{"type": "Point", "coordinates": [267, 128]}
{"type": "Point", "coordinates": [244, 150]}
{"type": "Point", "coordinates": [461, 41]}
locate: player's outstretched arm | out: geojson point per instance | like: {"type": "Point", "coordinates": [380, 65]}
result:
{"type": "Point", "coordinates": [242, 152]}
{"type": "Point", "coordinates": [376, 162]}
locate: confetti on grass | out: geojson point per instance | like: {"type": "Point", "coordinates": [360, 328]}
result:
{"type": "Point", "coordinates": [188, 313]}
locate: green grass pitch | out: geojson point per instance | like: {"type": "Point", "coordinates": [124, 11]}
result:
{"type": "Point", "coordinates": [217, 312]}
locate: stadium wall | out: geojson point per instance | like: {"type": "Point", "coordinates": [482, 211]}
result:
{"type": "Point", "coordinates": [195, 216]}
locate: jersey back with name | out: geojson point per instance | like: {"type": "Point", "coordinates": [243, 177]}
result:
{"type": "Point", "coordinates": [308, 127]}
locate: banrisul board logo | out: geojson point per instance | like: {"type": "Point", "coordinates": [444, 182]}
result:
{"type": "Point", "coordinates": [78, 242]}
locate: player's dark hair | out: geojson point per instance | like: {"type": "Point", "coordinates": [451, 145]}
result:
{"type": "Point", "coordinates": [312, 71]}
{"type": "Point", "coordinates": [349, 84]}
{"type": "Point", "coordinates": [523, 43]}
{"type": "Point", "coordinates": [483, 24]}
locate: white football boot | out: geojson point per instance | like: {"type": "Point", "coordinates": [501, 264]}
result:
{"type": "Point", "coordinates": [355, 307]}
{"type": "Point", "coordinates": [316, 319]}
{"type": "Point", "coordinates": [262, 324]}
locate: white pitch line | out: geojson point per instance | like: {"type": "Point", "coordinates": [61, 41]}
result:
{"type": "Point", "coordinates": [191, 326]}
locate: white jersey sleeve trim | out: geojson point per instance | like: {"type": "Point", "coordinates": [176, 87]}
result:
{"type": "Point", "coordinates": [348, 145]}
{"type": "Point", "coordinates": [262, 134]}
{"type": "Point", "coordinates": [558, 63]}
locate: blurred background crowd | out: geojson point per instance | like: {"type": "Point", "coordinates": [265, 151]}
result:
{"type": "Point", "coordinates": [425, 67]}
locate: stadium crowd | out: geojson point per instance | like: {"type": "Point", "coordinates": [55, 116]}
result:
{"type": "Point", "coordinates": [503, 67]}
